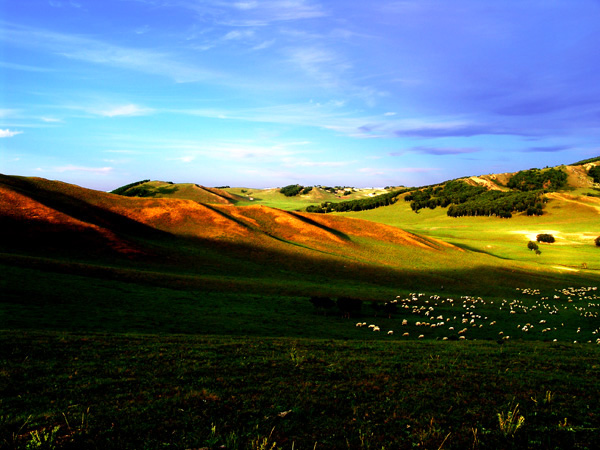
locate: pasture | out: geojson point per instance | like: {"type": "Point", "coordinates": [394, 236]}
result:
{"type": "Point", "coordinates": [137, 366]}
{"type": "Point", "coordinates": [215, 345]}
{"type": "Point", "coordinates": [574, 221]}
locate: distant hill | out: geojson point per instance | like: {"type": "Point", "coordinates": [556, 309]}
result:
{"type": "Point", "coordinates": [167, 241]}
{"type": "Point", "coordinates": [185, 191]}
{"type": "Point", "coordinates": [577, 177]}
{"type": "Point", "coordinates": [52, 218]}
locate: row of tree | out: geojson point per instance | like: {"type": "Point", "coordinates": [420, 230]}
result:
{"type": "Point", "coordinates": [464, 199]}
{"type": "Point", "coordinates": [500, 204]}
{"type": "Point", "coordinates": [351, 307]}
{"type": "Point", "coordinates": [359, 204]}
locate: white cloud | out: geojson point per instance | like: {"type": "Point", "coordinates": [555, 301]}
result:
{"type": "Point", "coordinates": [50, 120]}
{"type": "Point", "coordinates": [8, 133]}
{"type": "Point", "coordinates": [72, 168]}
{"type": "Point", "coordinates": [184, 159]}
{"type": "Point", "coordinates": [125, 110]}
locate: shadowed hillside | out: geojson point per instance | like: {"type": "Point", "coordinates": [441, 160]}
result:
{"type": "Point", "coordinates": [55, 226]}
{"type": "Point", "coordinates": [54, 219]}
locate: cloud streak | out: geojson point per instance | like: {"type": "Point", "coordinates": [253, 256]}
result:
{"type": "Point", "coordinates": [125, 110]}
{"type": "Point", "coordinates": [104, 53]}
{"type": "Point", "coordinates": [73, 168]}
{"type": "Point", "coordinates": [9, 133]}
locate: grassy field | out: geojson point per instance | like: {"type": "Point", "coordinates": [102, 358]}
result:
{"type": "Point", "coordinates": [575, 223]}
{"type": "Point", "coordinates": [199, 333]}
{"type": "Point", "coordinates": [64, 390]}
{"type": "Point", "coordinates": [99, 362]}
{"type": "Point", "coordinates": [274, 199]}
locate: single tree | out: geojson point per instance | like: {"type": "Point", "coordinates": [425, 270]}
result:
{"type": "Point", "coordinates": [543, 237]}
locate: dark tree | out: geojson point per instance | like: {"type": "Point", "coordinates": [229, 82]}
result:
{"type": "Point", "coordinates": [322, 303]}
{"type": "Point", "coordinates": [390, 308]}
{"type": "Point", "coordinates": [543, 237]}
{"type": "Point", "coordinates": [377, 307]}
{"type": "Point", "coordinates": [532, 246]}
{"type": "Point", "coordinates": [349, 306]}
{"type": "Point", "coordinates": [291, 190]}
{"type": "Point", "coordinates": [594, 172]}
{"type": "Point", "coordinates": [597, 241]}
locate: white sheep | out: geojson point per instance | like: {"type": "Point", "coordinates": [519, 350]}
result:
{"type": "Point", "coordinates": [390, 332]}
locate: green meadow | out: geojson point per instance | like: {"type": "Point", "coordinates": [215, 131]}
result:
{"type": "Point", "coordinates": [215, 345]}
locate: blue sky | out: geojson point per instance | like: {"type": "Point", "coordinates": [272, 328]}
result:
{"type": "Point", "coordinates": [269, 93]}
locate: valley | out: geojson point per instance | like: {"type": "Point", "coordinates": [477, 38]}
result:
{"type": "Point", "coordinates": [181, 318]}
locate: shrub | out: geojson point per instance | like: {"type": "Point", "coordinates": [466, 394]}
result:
{"type": "Point", "coordinates": [548, 238]}
{"type": "Point", "coordinates": [349, 306]}
{"type": "Point", "coordinates": [532, 246]}
{"type": "Point", "coordinates": [594, 172]}
{"type": "Point", "coordinates": [322, 303]}
{"type": "Point", "coordinates": [292, 190]}
{"type": "Point", "coordinates": [534, 179]}
{"type": "Point", "coordinates": [597, 241]}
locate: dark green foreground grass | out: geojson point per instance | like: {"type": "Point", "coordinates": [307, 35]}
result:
{"type": "Point", "coordinates": [131, 363]}
{"type": "Point", "coordinates": [151, 392]}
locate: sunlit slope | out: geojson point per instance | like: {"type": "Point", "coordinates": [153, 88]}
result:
{"type": "Point", "coordinates": [573, 220]}
{"type": "Point", "coordinates": [185, 243]}
{"type": "Point", "coordinates": [33, 204]}
{"type": "Point", "coordinates": [184, 191]}
{"type": "Point", "coordinates": [577, 178]}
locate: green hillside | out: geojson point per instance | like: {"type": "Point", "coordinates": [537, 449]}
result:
{"type": "Point", "coordinates": [186, 318]}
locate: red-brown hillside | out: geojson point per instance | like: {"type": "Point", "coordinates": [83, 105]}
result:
{"type": "Point", "coordinates": [39, 210]}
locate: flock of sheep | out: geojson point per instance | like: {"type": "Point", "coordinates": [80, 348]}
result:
{"type": "Point", "coordinates": [473, 317]}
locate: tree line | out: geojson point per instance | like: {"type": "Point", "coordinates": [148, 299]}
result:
{"type": "Point", "coordinates": [536, 179]}
{"type": "Point", "coordinates": [359, 204]}
{"type": "Point", "coordinates": [294, 189]}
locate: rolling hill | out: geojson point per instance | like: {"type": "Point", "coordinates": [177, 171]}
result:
{"type": "Point", "coordinates": [206, 238]}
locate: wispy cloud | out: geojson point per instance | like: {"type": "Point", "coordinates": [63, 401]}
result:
{"type": "Point", "coordinates": [438, 151]}
{"type": "Point", "coordinates": [101, 52]}
{"type": "Point", "coordinates": [23, 67]}
{"type": "Point", "coordinates": [320, 63]}
{"type": "Point", "coordinates": [238, 34]}
{"type": "Point", "coordinates": [263, 13]}
{"type": "Point", "coordinates": [9, 133]}
{"type": "Point", "coordinates": [72, 168]}
{"type": "Point", "coordinates": [4, 113]}
{"type": "Point", "coordinates": [125, 110]}
{"type": "Point", "coordinates": [549, 149]}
